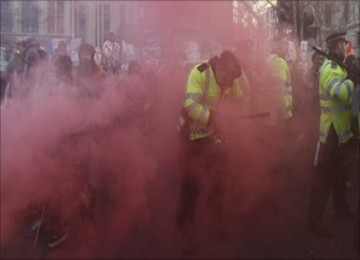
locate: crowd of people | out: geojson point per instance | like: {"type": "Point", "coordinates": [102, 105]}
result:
{"type": "Point", "coordinates": [29, 70]}
{"type": "Point", "coordinates": [226, 87]}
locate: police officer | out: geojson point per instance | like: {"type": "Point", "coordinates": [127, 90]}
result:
{"type": "Point", "coordinates": [280, 78]}
{"type": "Point", "coordinates": [278, 90]}
{"type": "Point", "coordinates": [335, 137]}
{"type": "Point", "coordinates": [202, 153]}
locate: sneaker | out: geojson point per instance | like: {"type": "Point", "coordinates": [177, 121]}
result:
{"type": "Point", "coordinates": [55, 240]}
{"type": "Point", "coordinates": [321, 230]}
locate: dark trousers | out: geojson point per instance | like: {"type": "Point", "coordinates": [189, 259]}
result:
{"type": "Point", "coordinates": [329, 177]}
{"type": "Point", "coordinates": [203, 164]}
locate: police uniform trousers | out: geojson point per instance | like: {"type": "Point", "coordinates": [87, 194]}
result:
{"type": "Point", "coordinates": [202, 165]}
{"type": "Point", "coordinates": [329, 177]}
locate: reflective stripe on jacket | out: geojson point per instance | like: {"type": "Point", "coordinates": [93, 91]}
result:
{"type": "Point", "coordinates": [201, 97]}
{"type": "Point", "coordinates": [335, 93]}
{"type": "Point", "coordinates": [280, 81]}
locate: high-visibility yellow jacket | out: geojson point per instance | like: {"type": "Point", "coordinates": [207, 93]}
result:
{"type": "Point", "coordinates": [280, 80]}
{"type": "Point", "coordinates": [335, 101]}
{"type": "Point", "coordinates": [201, 98]}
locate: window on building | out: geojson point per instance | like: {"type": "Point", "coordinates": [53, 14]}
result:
{"type": "Point", "coordinates": [328, 12]}
{"type": "Point", "coordinates": [103, 17]}
{"type": "Point", "coordinates": [56, 17]}
{"type": "Point", "coordinates": [60, 17]}
{"type": "Point", "coordinates": [51, 17]}
{"type": "Point", "coordinates": [80, 21]}
{"type": "Point", "coordinates": [128, 14]}
{"type": "Point", "coordinates": [6, 16]}
{"type": "Point", "coordinates": [30, 17]}
{"type": "Point", "coordinates": [107, 17]}
{"type": "Point", "coordinates": [122, 15]}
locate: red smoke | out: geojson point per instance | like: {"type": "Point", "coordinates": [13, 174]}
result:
{"type": "Point", "coordinates": [57, 138]}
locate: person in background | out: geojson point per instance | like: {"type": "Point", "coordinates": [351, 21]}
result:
{"type": "Point", "coordinates": [4, 78]}
{"type": "Point", "coordinates": [312, 75]}
{"type": "Point", "coordinates": [112, 53]}
{"type": "Point", "coordinates": [310, 104]}
{"type": "Point", "coordinates": [88, 76]}
{"type": "Point", "coordinates": [63, 68]}
{"type": "Point", "coordinates": [278, 92]}
{"type": "Point", "coordinates": [16, 64]}
{"type": "Point", "coordinates": [60, 50]}
{"type": "Point", "coordinates": [87, 66]}
{"type": "Point", "coordinates": [33, 56]}
{"type": "Point", "coordinates": [279, 77]}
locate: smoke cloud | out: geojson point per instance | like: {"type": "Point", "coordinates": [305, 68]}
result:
{"type": "Point", "coordinates": [119, 137]}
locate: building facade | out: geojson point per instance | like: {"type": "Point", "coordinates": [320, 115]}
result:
{"type": "Point", "coordinates": [138, 22]}
{"type": "Point", "coordinates": [340, 16]}
{"type": "Point", "coordinates": [329, 16]}
{"type": "Point", "coordinates": [88, 20]}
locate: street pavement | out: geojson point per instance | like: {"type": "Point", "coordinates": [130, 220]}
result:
{"type": "Point", "coordinates": [258, 232]}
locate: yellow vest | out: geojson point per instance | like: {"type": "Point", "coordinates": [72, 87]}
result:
{"type": "Point", "coordinates": [280, 81]}
{"type": "Point", "coordinates": [202, 95]}
{"type": "Point", "coordinates": [335, 101]}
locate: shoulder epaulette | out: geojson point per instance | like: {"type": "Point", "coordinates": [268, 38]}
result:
{"type": "Point", "coordinates": [203, 66]}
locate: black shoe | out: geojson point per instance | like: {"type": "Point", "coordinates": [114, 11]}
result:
{"type": "Point", "coordinates": [321, 230]}
{"type": "Point", "coordinates": [56, 240]}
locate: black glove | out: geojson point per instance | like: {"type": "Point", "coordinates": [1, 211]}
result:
{"type": "Point", "coordinates": [352, 68]}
